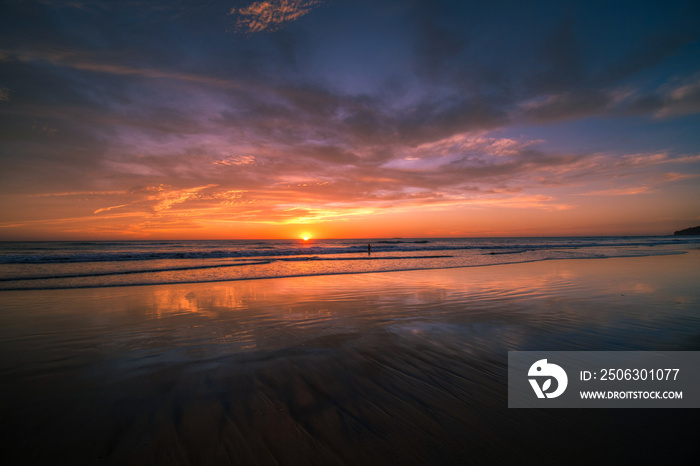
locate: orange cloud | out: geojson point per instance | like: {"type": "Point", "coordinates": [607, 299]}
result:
{"type": "Point", "coordinates": [271, 15]}
{"type": "Point", "coordinates": [107, 209]}
{"type": "Point", "coordinates": [236, 160]}
{"type": "Point", "coordinates": [619, 192]}
{"type": "Point", "coordinates": [167, 198]}
{"type": "Point", "coordinates": [79, 193]}
{"type": "Point", "coordinates": [464, 142]}
{"type": "Point", "coordinates": [678, 176]}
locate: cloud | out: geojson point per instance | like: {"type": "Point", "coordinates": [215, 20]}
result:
{"type": "Point", "coordinates": [619, 191]}
{"type": "Point", "coordinates": [477, 143]}
{"type": "Point", "coordinates": [270, 15]}
{"type": "Point", "coordinates": [654, 158]}
{"type": "Point", "coordinates": [564, 106]}
{"type": "Point", "coordinates": [236, 160]}
{"type": "Point", "coordinates": [166, 197]}
{"type": "Point", "coordinates": [280, 183]}
{"type": "Point", "coordinates": [680, 99]}
{"type": "Point", "coordinates": [85, 61]}
{"type": "Point", "coordinates": [107, 209]}
{"type": "Point", "coordinates": [678, 176]}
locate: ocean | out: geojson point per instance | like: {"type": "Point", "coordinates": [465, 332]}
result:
{"type": "Point", "coordinates": [57, 265]}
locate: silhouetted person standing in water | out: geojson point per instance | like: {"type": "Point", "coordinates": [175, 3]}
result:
{"type": "Point", "coordinates": [369, 249]}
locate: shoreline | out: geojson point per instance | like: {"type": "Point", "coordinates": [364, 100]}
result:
{"type": "Point", "coordinates": [321, 274]}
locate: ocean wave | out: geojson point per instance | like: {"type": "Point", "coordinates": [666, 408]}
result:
{"type": "Point", "coordinates": [128, 272]}
{"type": "Point", "coordinates": [155, 277]}
{"type": "Point", "coordinates": [148, 251]}
{"type": "Point", "coordinates": [210, 266]}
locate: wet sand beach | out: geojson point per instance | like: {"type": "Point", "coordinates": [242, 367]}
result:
{"type": "Point", "coordinates": [377, 368]}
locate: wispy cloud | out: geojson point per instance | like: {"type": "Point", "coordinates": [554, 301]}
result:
{"type": "Point", "coordinates": [86, 61]}
{"type": "Point", "coordinates": [167, 197]}
{"type": "Point", "coordinates": [235, 160]}
{"type": "Point", "coordinates": [672, 176]}
{"type": "Point", "coordinates": [680, 99]}
{"type": "Point", "coordinates": [619, 192]}
{"type": "Point", "coordinates": [271, 15]}
{"type": "Point", "coordinates": [79, 194]}
{"type": "Point", "coordinates": [107, 209]}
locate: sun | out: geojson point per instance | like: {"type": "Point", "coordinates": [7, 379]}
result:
{"type": "Point", "coordinates": [306, 236]}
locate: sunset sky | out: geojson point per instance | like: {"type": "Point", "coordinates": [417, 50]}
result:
{"type": "Point", "coordinates": [175, 119]}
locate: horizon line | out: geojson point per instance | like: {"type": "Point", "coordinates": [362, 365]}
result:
{"type": "Point", "coordinates": [330, 238]}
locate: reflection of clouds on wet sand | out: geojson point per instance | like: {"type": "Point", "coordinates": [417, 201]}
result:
{"type": "Point", "coordinates": [540, 301]}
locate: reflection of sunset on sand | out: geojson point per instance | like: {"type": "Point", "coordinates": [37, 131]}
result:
{"type": "Point", "coordinates": [322, 302]}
